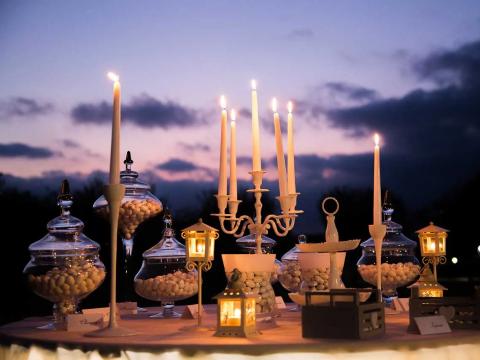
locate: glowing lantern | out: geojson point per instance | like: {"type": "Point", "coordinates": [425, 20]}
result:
{"type": "Point", "coordinates": [200, 242]}
{"type": "Point", "coordinates": [427, 286]}
{"type": "Point", "coordinates": [235, 310]}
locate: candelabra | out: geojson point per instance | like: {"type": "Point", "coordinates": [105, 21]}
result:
{"type": "Point", "coordinates": [281, 224]}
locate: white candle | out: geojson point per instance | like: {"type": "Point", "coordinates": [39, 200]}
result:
{"type": "Point", "coordinates": [282, 176]}
{"type": "Point", "coordinates": [292, 189]}
{"type": "Point", "coordinates": [377, 198]}
{"type": "Point", "coordinates": [233, 156]}
{"type": "Point", "coordinates": [256, 161]}
{"type": "Point", "coordinates": [222, 171]}
{"type": "Point", "coordinates": [115, 143]}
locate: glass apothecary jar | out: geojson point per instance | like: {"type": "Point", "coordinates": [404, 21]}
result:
{"type": "Point", "coordinates": [64, 265]}
{"type": "Point", "coordinates": [138, 205]}
{"type": "Point", "coordinates": [248, 245]}
{"type": "Point", "coordinates": [289, 272]}
{"type": "Point", "coordinates": [399, 265]}
{"type": "Point", "coordinates": [163, 276]}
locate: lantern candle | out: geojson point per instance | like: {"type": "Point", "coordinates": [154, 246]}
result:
{"type": "Point", "coordinates": [222, 178]}
{"type": "Point", "coordinates": [233, 157]}
{"type": "Point", "coordinates": [377, 201]}
{"type": "Point", "coordinates": [115, 144]}
{"type": "Point", "coordinates": [256, 161]}
{"type": "Point", "coordinates": [282, 184]}
{"type": "Point", "coordinates": [290, 152]}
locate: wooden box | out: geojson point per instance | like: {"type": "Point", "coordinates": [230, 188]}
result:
{"type": "Point", "coordinates": [346, 318]}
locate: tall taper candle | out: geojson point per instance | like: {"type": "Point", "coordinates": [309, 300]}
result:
{"type": "Point", "coordinates": [233, 156]}
{"type": "Point", "coordinates": [222, 171]}
{"type": "Point", "coordinates": [115, 144]}
{"type": "Point", "coordinates": [282, 176]}
{"type": "Point", "coordinates": [377, 199]}
{"type": "Point", "coordinates": [256, 160]}
{"type": "Point", "coordinates": [292, 189]}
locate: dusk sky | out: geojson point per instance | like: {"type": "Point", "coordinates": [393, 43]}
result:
{"type": "Point", "coordinates": [409, 70]}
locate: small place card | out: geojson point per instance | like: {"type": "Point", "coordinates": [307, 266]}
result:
{"type": "Point", "coordinates": [84, 322]}
{"type": "Point", "coordinates": [280, 303]}
{"type": "Point", "coordinates": [436, 324]}
{"type": "Point", "coordinates": [105, 312]}
{"type": "Point", "coordinates": [127, 308]}
{"type": "Point", "coordinates": [191, 312]}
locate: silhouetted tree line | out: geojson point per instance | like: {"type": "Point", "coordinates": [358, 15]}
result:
{"type": "Point", "coordinates": [24, 217]}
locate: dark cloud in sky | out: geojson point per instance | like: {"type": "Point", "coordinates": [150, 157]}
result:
{"type": "Point", "coordinates": [194, 147]}
{"type": "Point", "coordinates": [351, 92]}
{"type": "Point", "coordinates": [70, 144]}
{"type": "Point", "coordinates": [24, 107]}
{"type": "Point", "coordinates": [144, 111]}
{"type": "Point", "coordinates": [301, 33]}
{"type": "Point", "coordinates": [15, 150]}
{"type": "Point", "coordinates": [177, 165]}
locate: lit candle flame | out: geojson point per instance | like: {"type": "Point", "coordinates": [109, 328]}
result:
{"type": "Point", "coordinates": [253, 83]}
{"type": "Point", "coordinates": [223, 102]}
{"type": "Point", "coordinates": [233, 115]}
{"type": "Point", "coordinates": [274, 105]}
{"type": "Point", "coordinates": [376, 139]}
{"type": "Point", "coordinates": [290, 107]}
{"type": "Point", "coordinates": [112, 76]}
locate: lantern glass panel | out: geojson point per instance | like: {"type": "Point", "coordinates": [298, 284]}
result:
{"type": "Point", "coordinates": [197, 246]}
{"type": "Point", "coordinates": [250, 312]}
{"type": "Point", "coordinates": [230, 312]}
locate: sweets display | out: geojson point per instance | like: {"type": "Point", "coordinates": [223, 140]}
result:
{"type": "Point", "coordinates": [393, 275]}
{"type": "Point", "coordinates": [289, 274]}
{"type": "Point", "coordinates": [174, 286]}
{"type": "Point", "coordinates": [65, 266]}
{"type": "Point", "coordinates": [76, 281]}
{"type": "Point", "coordinates": [315, 279]}
{"type": "Point", "coordinates": [132, 214]}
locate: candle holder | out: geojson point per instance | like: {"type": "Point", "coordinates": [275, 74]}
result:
{"type": "Point", "coordinates": [113, 194]}
{"type": "Point", "coordinates": [281, 224]}
{"type": "Point", "coordinates": [200, 243]}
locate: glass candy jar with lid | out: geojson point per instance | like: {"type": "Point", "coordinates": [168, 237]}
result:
{"type": "Point", "coordinates": [138, 205]}
{"type": "Point", "coordinates": [399, 265]}
{"type": "Point", "coordinates": [65, 265]}
{"type": "Point", "coordinates": [163, 276]}
{"type": "Point", "coordinates": [289, 273]}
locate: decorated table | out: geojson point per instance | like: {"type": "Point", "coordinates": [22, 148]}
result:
{"type": "Point", "coordinates": [174, 338]}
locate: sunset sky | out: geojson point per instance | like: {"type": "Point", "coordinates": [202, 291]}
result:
{"type": "Point", "coordinates": [409, 70]}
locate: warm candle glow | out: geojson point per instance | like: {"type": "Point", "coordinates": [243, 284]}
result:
{"type": "Point", "coordinates": [223, 102]}
{"type": "Point", "coordinates": [376, 139]}
{"type": "Point", "coordinates": [253, 83]}
{"type": "Point", "coordinates": [233, 115]}
{"type": "Point", "coordinates": [290, 107]}
{"type": "Point", "coordinates": [112, 76]}
{"type": "Point", "coordinates": [274, 105]}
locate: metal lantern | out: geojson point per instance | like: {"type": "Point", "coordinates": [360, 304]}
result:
{"type": "Point", "coordinates": [200, 242]}
{"type": "Point", "coordinates": [433, 247]}
{"type": "Point", "coordinates": [426, 286]}
{"type": "Point", "coordinates": [433, 240]}
{"type": "Point", "coordinates": [200, 245]}
{"type": "Point", "coordinates": [235, 310]}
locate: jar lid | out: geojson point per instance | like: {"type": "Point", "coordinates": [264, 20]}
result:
{"type": "Point", "coordinates": [248, 242]}
{"type": "Point", "coordinates": [168, 247]}
{"type": "Point", "coordinates": [129, 178]}
{"type": "Point", "coordinates": [292, 254]}
{"type": "Point", "coordinates": [65, 235]}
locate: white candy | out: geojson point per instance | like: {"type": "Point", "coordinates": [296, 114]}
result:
{"type": "Point", "coordinates": [175, 286]}
{"type": "Point", "coordinates": [393, 275]}
{"type": "Point", "coordinates": [290, 276]}
{"type": "Point", "coordinates": [258, 283]}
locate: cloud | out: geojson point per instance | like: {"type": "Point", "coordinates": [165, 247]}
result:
{"type": "Point", "coordinates": [194, 147]}
{"type": "Point", "coordinates": [70, 144]}
{"type": "Point", "coordinates": [351, 91]}
{"type": "Point", "coordinates": [177, 165]}
{"type": "Point", "coordinates": [301, 33]}
{"type": "Point", "coordinates": [144, 111]}
{"type": "Point", "coordinates": [15, 150]}
{"type": "Point", "coordinates": [24, 107]}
